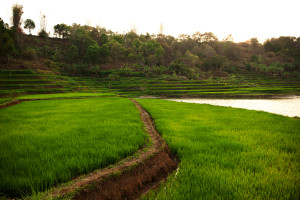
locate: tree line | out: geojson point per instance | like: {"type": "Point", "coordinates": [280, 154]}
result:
{"type": "Point", "coordinates": [187, 55]}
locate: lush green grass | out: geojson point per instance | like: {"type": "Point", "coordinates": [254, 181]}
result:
{"type": "Point", "coordinates": [64, 95]}
{"type": "Point", "coordinates": [50, 141]}
{"type": "Point", "coordinates": [228, 153]}
{"type": "Point", "coordinates": [4, 100]}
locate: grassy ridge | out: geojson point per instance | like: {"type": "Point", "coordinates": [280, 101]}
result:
{"type": "Point", "coordinates": [228, 153]}
{"type": "Point", "coordinates": [47, 142]}
{"type": "Point", "coordinates": [64, 95]}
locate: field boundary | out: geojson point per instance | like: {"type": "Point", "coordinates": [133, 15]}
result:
{"type": "Point", "coordinates": [9, 103]}
{"type": "Point", "coordinates": [129, 178]}
{"type": "Point", "coordinates": [17, 101]}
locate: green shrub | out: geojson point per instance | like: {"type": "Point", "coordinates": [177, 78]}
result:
{"type": "Point", "coordinates": [92, 53]}
{"type": "Point", "coordinates": [30, 54]}
{"type": "Point", "coordinates": [43, 34]}
{"type": "Point", "coordinates": [50, 64]}
{"type": "Point", "coordinates": [159, 70]}
{"type": "Point", "coordinates": [125, 71]}
{"type": "Point", "coordinates": [114, 77]}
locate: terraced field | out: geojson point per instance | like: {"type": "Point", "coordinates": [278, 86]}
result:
{"type": "Point", "coordinates": [21, 82]}
{"type": "Point", "coordinates": [26, 81]}
{"type": "Point", "coordinates": [245, 85]}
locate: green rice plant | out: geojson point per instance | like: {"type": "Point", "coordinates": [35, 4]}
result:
{"type": "Point", "coordinates": [4, 100]}
{"type": "Point", "coordinates": [228, 153]}
{"type": "Point", "coordinates": [47, 142]}
{"type": "Point", "coordinates": [64, 95]}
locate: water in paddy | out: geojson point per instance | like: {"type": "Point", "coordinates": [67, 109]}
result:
{"type": "Point", "coordinates": [285, 106]}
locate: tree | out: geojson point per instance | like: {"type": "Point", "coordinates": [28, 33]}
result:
{"type": "Point", "coordinates": [81, 39]}
{"type": "Point", "coordinates": [92, 53]}
{"type": "Point", "coordinates": [62, 30]}
{"type": "Point", "coordinates": [190, 59]}
{"type": "Point", "coordinates": [207, 51]}
{"type": "Point", "coordinates": [17, 15]}
{"type": "Point", "coordinates": [116, 50]}
{"type": "Point", "coordinates": [118, 38]}
{"type": "Point", "coordinates": [104, 51]}
{"type": "Point", "coordinates": [29, 24]}
{"type": "Point", "coordinates": [72, 53]}
{"type": "Point", "coordinates": [229, 38]}
{"type": "Point", "coordinates": [16, 19]}
{"type": "Point", "coordinates": [216, 62]}
{"type": "Point", "coordinates": [7, 45]}
{"type": "Point", "coordinates": [231, 50]}
{"type": "Point", "coordinates": [103, 39]}
{"type": "Point", "coordinates": [43, 25]}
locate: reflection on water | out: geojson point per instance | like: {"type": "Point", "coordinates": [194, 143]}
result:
{"type": "Point", "coordinates": [287, 106]}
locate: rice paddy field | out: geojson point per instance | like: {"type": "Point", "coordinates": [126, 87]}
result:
{"type": "Point", "coordinates": [47, 142]}
{"type": "Point", "coordinates": [227, 153]}
{"type": "Point", "coordinates": [243, 85]}
{"type": "Point", "coordinates": [248, 85]}
{"type": "Point", "coordinates": [18, 82]}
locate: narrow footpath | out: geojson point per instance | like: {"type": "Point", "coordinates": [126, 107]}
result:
{"type": "Point", "coordinates": [130, 177]}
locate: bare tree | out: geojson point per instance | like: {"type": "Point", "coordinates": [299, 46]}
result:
{"type": "Point", "coordinates": [43, 22]}
{"type": "Point", "coordinates": [43, 25]}
{"type": "Point", "coordinates": [161, 29]}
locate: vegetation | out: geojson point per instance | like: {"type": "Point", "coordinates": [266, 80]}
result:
{"type": "Point", "coordinates": [30, 25]}
{"type": "Point", "coordinates": [64, 95]}
{"type": "Point", "coordinates": [238, 156]}
{"type": "Point", "coordinates": [20, 82]}
{"type": "Point", "coordinates": [192, 57]}
{"type": "Point", "coordinates": [244, 155]}
{"type": "Point", "coordinates": [57, 140]}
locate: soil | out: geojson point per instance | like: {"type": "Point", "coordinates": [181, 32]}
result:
{"type": "Point", "coordinates": [129, 178]}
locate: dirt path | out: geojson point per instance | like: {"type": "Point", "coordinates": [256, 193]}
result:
{"type": "Point", "coordinates": [130, 177]}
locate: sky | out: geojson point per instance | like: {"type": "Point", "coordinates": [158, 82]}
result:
{"type": "Point", "coordinates": [244, 19]}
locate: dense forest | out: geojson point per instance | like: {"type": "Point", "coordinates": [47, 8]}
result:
{"type": "Point", "coordinates": [86, 50]}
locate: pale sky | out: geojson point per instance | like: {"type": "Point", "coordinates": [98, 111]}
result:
{"type": "Point", "coordinates": [243, 19]}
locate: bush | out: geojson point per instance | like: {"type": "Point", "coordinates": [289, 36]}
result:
{"type": "Point", "coordinates": [77, 69]}
{"type": "Point", "coordinates": [125, 71]}
{"type": "Point", "coordinates": [159, 70]}
{"type": "Point", "coordinates": [50, 64]}
{"type": "Point", "coordinates": [274, 69]}
{"type": "Point", "coordinates": [231, 69]}
{"type": "Point", "coordinates": [248, 66]}
{"type": "Point", "coordinates": [270, 54]}
{"type": "Point", "coordinates": [43, 34]}
{"type": "Point", "coordinates": [216, 62]}
{"type": "Point", "coordinates": [30, 54]}
{"type": "Point", "coordinates": [114, 77]}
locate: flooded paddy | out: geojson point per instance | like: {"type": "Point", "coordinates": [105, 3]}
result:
{"type": "Point", "coordinates": [289, 106]}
